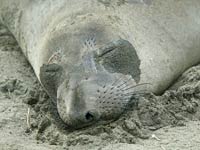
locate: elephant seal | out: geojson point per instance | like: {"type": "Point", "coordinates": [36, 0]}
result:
{"type": "Point", "coordinates": [93, 56]}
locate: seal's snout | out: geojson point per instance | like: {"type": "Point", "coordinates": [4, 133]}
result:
{"type": "Point", "coordinates": [82, 117]}
{"type": "Point", "coordinates": [76, 102]}
{"type": "Point", "coordinates": [97, 99]}
{"type": "Point", "coordinates": [90, 115]}
{"type": "Point", "coordinates": [85, 117]}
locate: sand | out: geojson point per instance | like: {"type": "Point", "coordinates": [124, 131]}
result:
{"type": "Point", "coordinates": [166, 122]}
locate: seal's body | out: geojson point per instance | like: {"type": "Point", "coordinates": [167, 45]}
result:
{"type": "Point", "coordinates": [97, 52]}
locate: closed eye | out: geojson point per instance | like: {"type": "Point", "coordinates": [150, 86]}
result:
{"type": "Point", "coordinates": [120, 57]}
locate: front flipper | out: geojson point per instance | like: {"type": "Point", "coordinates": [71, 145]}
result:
{"type": "Point", "coordinates": [51, 76]}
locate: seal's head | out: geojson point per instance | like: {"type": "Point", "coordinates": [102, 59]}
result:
{"type": "Point", "coordinates": [103, 90]}
{"type": "Point", "coordinates": [98, 89]}
{"type": "Point", "coordinates": [99, 98]}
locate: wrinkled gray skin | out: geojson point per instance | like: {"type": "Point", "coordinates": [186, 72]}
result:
{"type": "Point", "coordinates": [92, 56]}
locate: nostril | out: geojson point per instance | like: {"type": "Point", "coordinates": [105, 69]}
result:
{"type": "Point", "coordinates": [89, 116]}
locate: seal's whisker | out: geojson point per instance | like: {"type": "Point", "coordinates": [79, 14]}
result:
{"type": "Point", "coordinates": [134, 86]}
{"type": "Point", "coordinates": [112, 87]}
{"type": "Point", "coordinates": [124, 83]}
{"type": "Point", "coordinates": [127, 84]}
{"type": "Point", "coordinates": [129, 95]}
{"type": "Point", "coordinates": [125, 99]}
{"type": "Point", "coordinates": [122, 77]}
{"type": "Point", "coordinates": [119, 80]}
{"type": "Point", "coordinates": [103, 93]}
{"type": "Point", "coordinates": [106, 91]}
{"type": "Point", "coordinates": [135, 92]}
{"type": "Point", "coordinates": [138, 93]}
